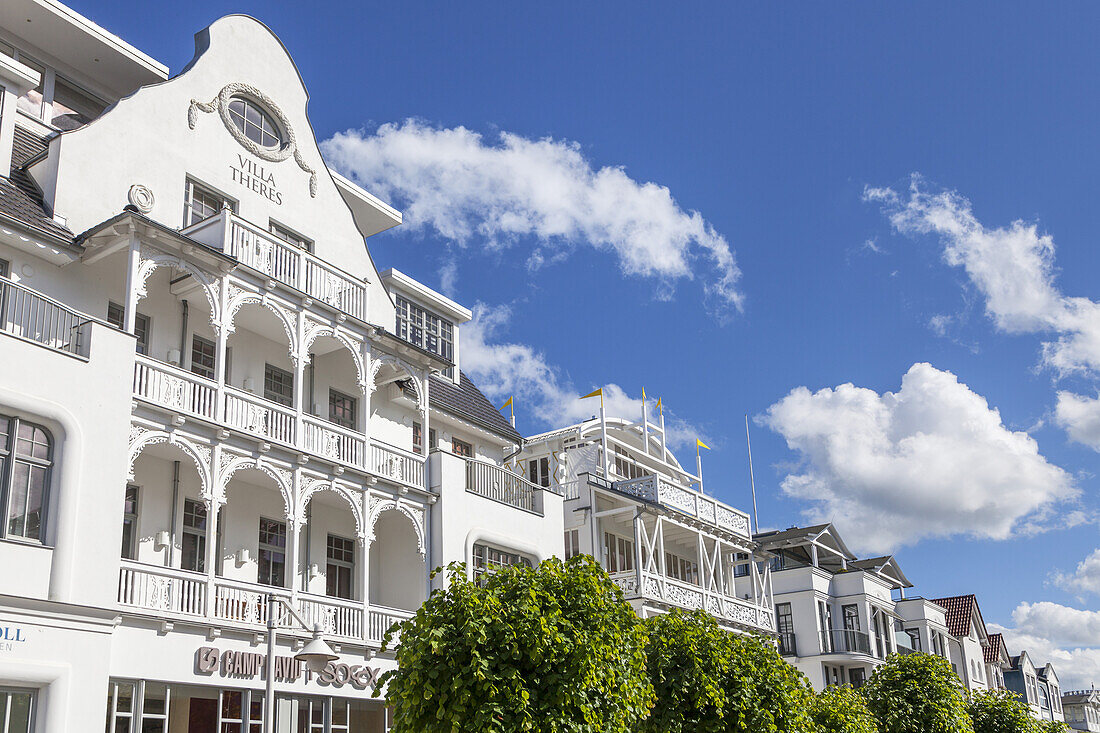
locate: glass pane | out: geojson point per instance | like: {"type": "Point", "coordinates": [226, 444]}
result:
{"type": "Point", "coordinates": [17, 501]}
{"type": "Point", "coordinates": [152, 726]}
{"type": "Point", "coordinates": [156, 698]}
{"type": "Point", "coordinates": [339, 712]}
{"type": "Point", "coordinates": [124, 697]}
{"type": "Point", "coordinates": [231, 704]}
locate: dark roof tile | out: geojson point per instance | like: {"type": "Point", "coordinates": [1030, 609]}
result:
{"type": "Point", "coordinates": [20, 198]}
{"type": "Point", "coordinates": [466, 401]}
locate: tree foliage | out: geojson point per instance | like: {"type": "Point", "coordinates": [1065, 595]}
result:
{"type": "Point", "coordinates": [1000, 712]}
{"type": "Point", "coordinates": [842, 710]}
{"type": "Point", "coordinates": [917, 693]}
{"type": "Point", "coordinates": [1051, 726]}
{"type": "Point", "coordinates": [708, 680]}
{"type": "Point", "coordinates": [550, 649]}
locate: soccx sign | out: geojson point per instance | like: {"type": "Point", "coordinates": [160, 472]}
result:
{"type": "Point", "coordinates": [249, 665]}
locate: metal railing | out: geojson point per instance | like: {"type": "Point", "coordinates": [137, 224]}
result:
{"type": "Point", "coordinates": [279, 260]}
{"type": "Point", "coordinates": [501, 485]}
{"type": "Point", "coordinates": [27, 314]}
{"type": "Point", "coordinates": [788, 646]}
{"type": "Point", "coordinates": [845, 641]}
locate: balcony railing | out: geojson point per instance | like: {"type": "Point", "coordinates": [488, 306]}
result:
{"type": "Point", "coordinates": [500, 484]}
{"type": "Point", "coordinates": [688, 501]}
{"type": "Point", "coordinates": [284, 262]}
{"type": "Point", "coordinates": [31, 316]}
{"type": "Point", "coordinates": [173, 593]}
{"type": "Point", "coordinates": [687, 595]}
{"type": "Point", "coordinates": [176, 389]}
{"type": "Point", "coordinates": [788, 645]}
{"type": "Point", "coordinates": [845, 641]}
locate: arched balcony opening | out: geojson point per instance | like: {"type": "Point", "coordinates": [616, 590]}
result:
{"type": "Point", "coordinates": [261, 384]}
{"type": "Point", "coordinates": [252, 545]}
{"type": "Point", "coordinates": [395, 407]}
{"type": "Point", "coordinates": [331, 563]}
{"type": "Point", "coordinates": [333, 400]}
{"type": "Point", "coordinates": [397, 568]}
{"type": "Point", "coordinates": [164, 511]}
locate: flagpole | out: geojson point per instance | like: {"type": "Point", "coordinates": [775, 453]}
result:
{"type": "Point", "coordinates": [645, 424]}
{"type": "Point", "coordinates": [664, 435]}
{"type": "Point", "coordinates": [603, 430]}
{"type": "Point", "coordinates": [752, 479]}
{"type": "Point", "coordinates": [699, 466]}
{"type": "Point", "coordinates": [512, 409]}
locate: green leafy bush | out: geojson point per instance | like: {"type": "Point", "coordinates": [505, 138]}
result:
{"type": "Point", "coordinates": [917, 693]}
{"type": "Point", "coordinates": [550, 649]}
{"type": "Point", "coordinates": [1000, 712]}
{"type": "Point", "coordinates": [842, 710]}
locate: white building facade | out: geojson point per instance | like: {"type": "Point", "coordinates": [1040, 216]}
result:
{"type": "Point", "coordinates": [210, 397]}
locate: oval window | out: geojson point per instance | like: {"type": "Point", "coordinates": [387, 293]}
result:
{"type": "Point", "coordinates": [254, 123]}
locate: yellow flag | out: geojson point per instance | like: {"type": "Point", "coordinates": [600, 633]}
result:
{"type": "Point", "coordinates": [643, 394]}
{"type": "Point", "coordinates": [506, 403]}
{"type": "Point", "coordinates": [701, 444]}
{"type": "Point", "coordinates": [658, 402]}
{"type": "Point", "coordinates": [597, 393]}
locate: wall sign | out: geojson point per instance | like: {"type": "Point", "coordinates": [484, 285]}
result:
{"type": "Point", "coordinates": [254, 176]}
{"type": "Point", "coordinates": [12, 637]}
{"type": "Point", "coordinates": [251, 665]}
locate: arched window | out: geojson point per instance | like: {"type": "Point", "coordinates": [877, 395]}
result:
{"type": "Point", "coordinates": [26, 456]}
{"type": "Point", "coordinates": [254, 123]}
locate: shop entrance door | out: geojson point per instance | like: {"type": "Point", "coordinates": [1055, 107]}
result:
{"type": "Point", "coordinates": [202, 716]}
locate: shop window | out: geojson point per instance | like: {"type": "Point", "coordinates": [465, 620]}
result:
{"type": "Point", "coordinates": [271, 558]}
{"type": "Point", "coordinates": [461, 448]}
{"type": "Point", "coordinates": [26, 457]}
{"type": "Point", "coordinates": [538, 471]}
{"type": "Point", "coordinates": [202, 357]}
{"type": "Point", "coordinates": [116, 316]}
{"type": "Point", "coordinates": [278, 385]}
{"type": "Point", "coordinates": [341, 409]}
{"type": "Point", "coordinates": [130, 523]}
{"type": "Point", "coordinates": [121, 707]}
{"type": "Point", "coordinates": [341, 566]}
{"type": "Point", "coordinates": [193, 555]}
{"type": "Point", "coordinates": [17, 710]}
{"type": "Point", "coordinates": [240, 711]}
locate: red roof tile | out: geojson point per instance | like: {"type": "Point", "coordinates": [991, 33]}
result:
{"type": "Point", "coordinates": [996, 643]}
{"type": "Point", "coordinates": [960, 610]}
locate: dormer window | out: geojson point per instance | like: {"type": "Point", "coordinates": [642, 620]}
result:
{"type": "Point", "coordinates": [425, 329]}
{"type": "Point", "coordinates": [254, 123]}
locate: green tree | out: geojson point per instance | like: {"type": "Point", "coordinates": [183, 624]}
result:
{"type": "Point", "coordinates": [1000, 712]}
{"type": "Point", "coordinates": [917, 693]}
{"type": "Point", "coordinates": [1051, 726]}
{"type": "Point", "coordinates": [550, 649]}
{"type": "Point", "coordinates": [708, 680]}
{"type": "Point", "coordinates": [842, 710]}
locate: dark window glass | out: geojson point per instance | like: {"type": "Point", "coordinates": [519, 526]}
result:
{"type": "Point", "coordinates": [202, 203]}
{"type": "Point", "coordinates": [129, 523]}
{"type": "Point", "coordinates": [290, 237]}
{"type": "Point", "coordinates": [418, 438]}
{"type": "Point", "coordinates": [278, 385]}
{"type": "Point", "coordinates": [194, 536]}
{"type": "Point", "coordinates": [271, 563]}
{"type": "Point", "coordinates": [488, 559]}
{"type": "Point", "coordinates": [538, 471]}
{"type": "Point", "coordinates": [25, 464]}
{"type": "Point", "coordinates": [116, 316]}
{"type": "Point", "coordinates": [425, 329]}
{"type": "Point", "coordinates": [341, 563]}
{"type": "Point", "coordinates": [256, 124]}
{"type": "Point", "coordinates": [5, 268]}
{"type": "Point", "coordinates": [341, 409]}
{"type": "Point", "coordinates": [202, 357]}
{"type": "Point", "coordinates": [461, 448]}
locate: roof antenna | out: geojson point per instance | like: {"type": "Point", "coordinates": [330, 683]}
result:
{"type": "Point", "coordinates": [752, 479]}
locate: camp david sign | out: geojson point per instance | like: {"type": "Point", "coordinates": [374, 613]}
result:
{"type": "Point", "coordinates": [252, 665]}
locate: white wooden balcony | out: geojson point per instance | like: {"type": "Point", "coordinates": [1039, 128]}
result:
{"type": "Point", "coordinates": [687, 501]}
{"type": "Point", "coordinates": [283, 262]}
{"type": "Point", "coordinates": [179, 594]}
{"type": "Point", "coordinates": [501, 485]}
{"type": "Point", "coordinates": [727, 608]}
{"type": "Point", "coordinates": [175, 389]}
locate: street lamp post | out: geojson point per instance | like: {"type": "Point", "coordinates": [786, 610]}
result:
{"type": "Point", "coordinates": [316, 655]}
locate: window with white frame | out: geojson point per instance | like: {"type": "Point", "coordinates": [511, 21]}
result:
{"type": "Point", "coordinates": [538, 471]}
{"type": "Point", "coordinates": [572, 543]}
{"type": "Point", "coordinates": [341, 409]}
{"type": "Point", "coordinates": [489, 559]}
{"type": "Point", "coordinates": [200, 202]}
{"type": "Point", "coordinates": [418, 439]}
{"type": "Point", "coordinates": [278, 385]}
{"type": "Point", "coordinates": [461, 448]}
{"type": "Point", "coordinates": [290, 237]}
{"type": "Point", "coordinates": [240, 711]}
{"type": "Point", "coordinates": [193, 550]}
{"type": "Point", "coordinates": [625, 466]}
{"type": "Point", "coordinates": [271, 558]}
{"type": "Point", "coordinates": [17, 710]}
{"type": "Point", "coordinates": [130, 523]}
{"type": "Point", "coordinates": [121, 706]}
{"type": "Point", "coordinates": [203, 357]}
{"type": "Point", "coordinates": [425, 329]}
{"type": "Point", "coordinates": [254, 122]}
{"type": "Point", "coordinates": [618, 553]}
{"type": "Point", "coordinates": [5, 266]}
{"type": "Point", "coordinates": [26, 458]}
{"type": "Point", "coordinates": [340, 570]}
{"type": "Point", "coordinates": [116, 316]}
{"type": "Point", "coordinates": [681, 568]}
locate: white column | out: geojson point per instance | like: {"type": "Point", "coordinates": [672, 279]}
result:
{"type": "Point", "coordinates": [212, 549]}
{"type": "Point", "coordinates": [132, 283]}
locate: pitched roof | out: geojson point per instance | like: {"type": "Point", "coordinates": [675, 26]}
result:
{"type": "Point", "coordinates": [996, 644]}
{"type": "Point", "coordinates": [791, 533]}
{"type": "Point", "coordinates": [960, 612]}
{"type": "Point", "coordinates": [466, 401]}
{"type": "Point", "coordinates": [20, 198]}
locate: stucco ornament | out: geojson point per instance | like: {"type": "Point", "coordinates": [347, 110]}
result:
{"type": "Point", "coordinates": [141, 198]}
{"type": "Point", "coordinates": [289, 148]}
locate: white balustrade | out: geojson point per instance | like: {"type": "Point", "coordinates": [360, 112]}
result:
{"type": "Point", "coordinates": [334, 442]}
{"type": "Point", "coordinates": [499, 484]}
{"type": "Point", "coordinates": [163, 590]}
{"type": "Point", "coordinates": [259, 416]}
{"type": "Point", "coordinates": [686, 500]}
{"type": "Point", "coordinates": [175, 389]}
{"type": "Point", "coordinates": [31, 316]}
{"type": "Point", "coordinates": [396, 464]}
{"type": "Point", "coordinates": [247, 603]}
{"type": "Point", "coordinates": [336, 616]}
{"type": "Point", "coordinates": [691, 596]}
{"type": "Point", "coordinates": [379, 621]}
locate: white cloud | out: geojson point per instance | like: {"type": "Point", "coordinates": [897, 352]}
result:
{"type": "Point", "coordinates": [1067, 637]}
{"type": "Point", "coordinates": [503, 369]}
{"type": "Point", "coordinates": [1013, 268]}
{"type": "Point", "coordinates": [1079, 416]}
{"type": "Point", "coordinates": [930, 460]}
{"type": "Point", "coordinates": [1084, 579]}
{"type": "Point", "coordinates": [455, 183]}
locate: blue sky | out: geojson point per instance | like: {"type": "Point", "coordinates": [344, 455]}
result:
{"type": "Point", "coordinates": [771, 122]}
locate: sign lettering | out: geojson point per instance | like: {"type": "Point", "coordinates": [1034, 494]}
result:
{"type": "Point", "coordinates": [254, 176]}
{"type": "Point", "coordinates": [250, 665]}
